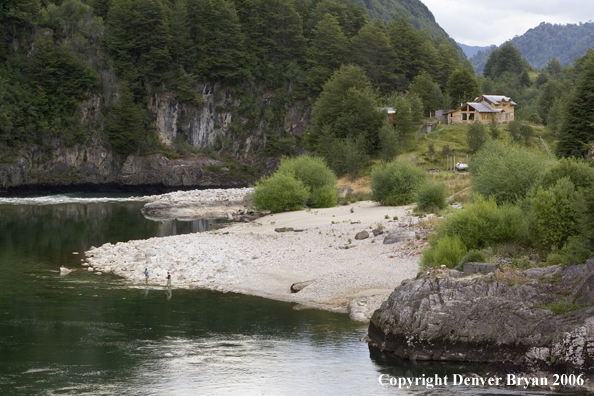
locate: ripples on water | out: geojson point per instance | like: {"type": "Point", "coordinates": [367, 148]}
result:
{"type": "Point", "coordinates": [84, 334]}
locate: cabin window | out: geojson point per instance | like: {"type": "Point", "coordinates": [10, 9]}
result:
{"type": "Point", "coordinates": [507, 116]}
{"type": "Point", "coordinates": [464, 117]}
{"type": "Point", "coordinates": [500, 116]}
{"type": "Point", "coordinates": [471, 116]}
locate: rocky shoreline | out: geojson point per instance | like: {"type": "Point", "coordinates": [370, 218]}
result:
{"type": "Point", "coordinates": [258, 258]}
{"type": "Point", "coordinates": [232, 204]}
{"type": "Point", "coordinates": [540, 319]}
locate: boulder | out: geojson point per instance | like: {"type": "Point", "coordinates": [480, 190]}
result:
{"type": "Point", "coordinates": [378, 231]}
{"type": "Point", "coordinates": [361, 308]}
{"type": "Point", "coordinates": [362, 235]}
{"type": "Point", "coordinates": [499, 317]}
{"type": "Point", "coordinates": [297, 287]}
{"type": "Point", "coordinates": [395, 237]}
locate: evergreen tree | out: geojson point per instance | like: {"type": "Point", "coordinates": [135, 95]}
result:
{"type": "Point", "coordinates": [138, 37]}
{"type": "Point", "coordinates": [328, 49]}
{"type": "Point", "coordinates": [507, 58]}
{"type": "Point", "coordinates": [126, 126]}
{"type": "Point", "coordinates": [347, 108]}
{"type": "Point", "coordinates": [217, 40]}
{"type": "Point", "coordinates": [351, 17]}
{"type": "Point", "coordinates": [373, 52]}
{"type": "Point", "coordinates": [577, 132]}
{"type": "Point", "coordinates": [549, 92]}
{"type": "Point", "coordinates": [463, 86]}
{"type": "Point", "coordinates": [414, 49]}
{"type": "Point", "coordinates": [429, 92]}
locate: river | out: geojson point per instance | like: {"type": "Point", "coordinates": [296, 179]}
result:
{"type": "Point", "coordinates": [89, 334]}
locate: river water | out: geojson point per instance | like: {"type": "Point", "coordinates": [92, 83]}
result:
{"type": "Point", "coordinates": [88, 334]}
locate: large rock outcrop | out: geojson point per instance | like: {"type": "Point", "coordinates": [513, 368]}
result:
{"type": "Point", "coordinates": [81, 165]}
{"type": "Point", "coordinates": [497, 318]}
{"type": "Point", "coordinates": [219, 124]}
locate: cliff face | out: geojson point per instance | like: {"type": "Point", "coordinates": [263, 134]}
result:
{"type": "Point", "coordinates": [493, 318]}
{"type": "Point", "coordinates": [96, 166]}
{"type": "Point", "coordinates": [207, 126]}
{"type": "Point", "coordinates": [211, 125]}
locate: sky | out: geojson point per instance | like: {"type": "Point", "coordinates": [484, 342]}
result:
{"type": "Point", "coordinates": [483, 23]}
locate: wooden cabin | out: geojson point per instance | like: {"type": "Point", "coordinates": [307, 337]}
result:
{"type": "Point", "coordinates": [483, 109]}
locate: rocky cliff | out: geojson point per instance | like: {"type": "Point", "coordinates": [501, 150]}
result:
{"type": "Point", "coordinates": [219, 124]}
{"type": "Point", "coordinates": [500, 317]}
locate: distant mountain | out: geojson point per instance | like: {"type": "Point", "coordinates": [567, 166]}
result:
{"type": "Point", "coordinates": [546, 41]}
{"type": "Point", "coordinates": [416, 12]}
{"type": "Point", "coordinates": [471, 50]}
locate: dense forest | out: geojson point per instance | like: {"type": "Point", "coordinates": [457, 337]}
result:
{"type": "Point", "coordinates": [546, 41]}
{"type": "Point", "coordinates": [85, 71]}
{"type": "Point", "coordinates": [415, 11]}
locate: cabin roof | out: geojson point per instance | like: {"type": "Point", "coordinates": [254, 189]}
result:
{"type": "Point", "coordinates": [496, 99]}
{"type": "Point", "coordinates": [483, 108]}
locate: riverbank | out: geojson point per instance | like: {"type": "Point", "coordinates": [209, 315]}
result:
{"type": "Point", "coordinates": [255, 258]}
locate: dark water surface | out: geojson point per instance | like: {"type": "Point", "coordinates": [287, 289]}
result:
{"type": "Point", "coordinates": [85, 334]}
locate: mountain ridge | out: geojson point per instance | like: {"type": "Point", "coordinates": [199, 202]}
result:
{"type": "Point", "coordinates": [544, 42]}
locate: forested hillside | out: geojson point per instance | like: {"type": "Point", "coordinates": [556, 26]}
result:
{"type": "Point", "coordinates": [547, 41]}
{"type": "Point", "coordinates": [234, 76]}
{"type": "Point", "coordinates": [415, 11]}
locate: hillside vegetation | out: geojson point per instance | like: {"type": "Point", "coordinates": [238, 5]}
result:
{"type": "Point", "coordinates": [546, 41]}
{"type": "Point", "coordinates": [89, 71]}
{"type": "Point", "coordinates": [415, 11]}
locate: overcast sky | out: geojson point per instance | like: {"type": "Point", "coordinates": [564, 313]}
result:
{"type": "Point", "coordinates": [483, 23]}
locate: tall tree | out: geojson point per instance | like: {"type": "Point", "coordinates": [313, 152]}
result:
{"type": "Point", "coordinates": [429, 92]}
{"type": "Point", "coordinates": [463, 86]}
{"type": "Point", "coordinates": [138, 37]}
{"type": "Point", "coordinates": [328, 49]}
{"type": "Point", "coordinates": [373, 52]}
{"type": "Point", "coordinates": [217, 40]}
{"type": "Point", "coordinates": [577, 132]}
{"type": "Point", "coordinates": [351, 17]}
{"type": "Point", "coordinates": [347, 108]}
{"type": "Point", "coordinates": [414, 49]}
{"type": "Point", "coordinates": [507, 58]}
{"type": "Point", "coordinates": [274, 37]}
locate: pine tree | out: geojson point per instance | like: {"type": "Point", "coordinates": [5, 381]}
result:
{"type": "Point", "coordinates": [217, 40]}
{"type": "Point", "coordinates": [328, 49]}
{"type": "Point", "coordinates": [347, 108]}
{"type": "Point", "coordinates": [428, 91]}
{"type": "Point", "coordinates": [577, 132]}
{"type": "Point", "coordinates": [373, 52]}
{"type": "Point", "coordinates": [463, 86]}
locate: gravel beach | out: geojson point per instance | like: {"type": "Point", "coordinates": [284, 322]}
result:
{"type": "Point", "coordinates": [266, 256]}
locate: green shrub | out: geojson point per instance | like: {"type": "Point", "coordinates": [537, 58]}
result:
{"type": "Point", "coordinates": [323, 197]}
{"type": "Point", "coordinates": [389, 140]}
{"type": "Point", "coordinates": [279, 192]}
{"type": "Point", "coordinates": [482, 223]}
{"type": "Point", "coordinates": [513, 128]}
{"type": "Point", "coordinates": [506, 171]}
{"type": "Point", "coordinates": [448, 251]}
{"type": "Point", "coordinates": [312, 171]}
{"type": "Point", "coordinates": [476, 136]}
{"type": "Point", "coordinates": [578, 171]}
{"type": "Point", "coordinates": [395, 183]}
{"type": "Point", "coordinates": [576, 251]}
{"type": "Point", "coordinates": [345, 156]}
{"type": "Point", "coordinates": [473, 256]}
{"type": "Point", "coordinates": [431, 197]}
{"type": "Point", "coordinates": [555, 214]}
